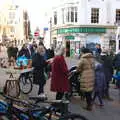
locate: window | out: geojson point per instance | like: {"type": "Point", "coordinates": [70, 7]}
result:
{"type": "Point", "coordinates": [117, 15]}
{"type": "Point", "coordinates": [71, 14]}
{"type": "Point", "coordinates": [76, 14]}
{"type": "Point", "coordinates": [12, 29]}
{"type": "Point", "coordinates": [67, 15]}
{"type": "Point", "coordinates": [55, 18]}
{"type": "Point", "coordinates": [95, 15]}
{"type": "Point", "coordinates": [11, 15]}
{"type": "Point", "coordinates": [10, 22]}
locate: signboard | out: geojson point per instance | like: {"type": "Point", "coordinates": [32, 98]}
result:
{"type": "Point", "coordinates": [36, 34]}
{"type": "Point", "coordinates": [81, 30]}
{"type": "Point", "coordinates": [69, 37]}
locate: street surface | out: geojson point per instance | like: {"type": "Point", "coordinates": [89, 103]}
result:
{"type": "Point", "coordinates": [111, 110]}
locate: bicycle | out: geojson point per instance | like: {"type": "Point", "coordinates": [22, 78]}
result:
{"type": "Point", "coordinates": [56, 110]}
{"type": "Point", "coordinates": [25, 79]}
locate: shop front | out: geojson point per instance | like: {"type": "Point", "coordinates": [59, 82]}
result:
{"type": "Point", "coordinates": [76, 37]}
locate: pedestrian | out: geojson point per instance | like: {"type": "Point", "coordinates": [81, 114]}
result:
{"type": "Point", "coordinates": [24, 52]}
{"type": "Point", "coordinates": [116, 64]}
{"type": "Point", "coordinates": [86, 69]}
{"type": "Point", "coordinates": [108, 71]}
{"type": "Point", "coordinates": [11, 55]}
{"type": "Point", "coordinates": [59, 78]}
{"type": "Point", "coordinates": [39, 65]}
{"type": "Point", "coordinates": [51, 53]}
{"type": "Point", "coordinates": [33, 48]}
{"type": "Point", "coordinates": [99, 81]}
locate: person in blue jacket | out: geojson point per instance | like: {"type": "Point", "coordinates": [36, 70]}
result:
{"type": "Point", "coordinates": [100, 83]}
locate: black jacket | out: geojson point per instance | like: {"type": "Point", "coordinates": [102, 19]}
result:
{"type": "Point", "coordinates": [24, 52]}
{"type": "Point", "coordinates": [39, 65]}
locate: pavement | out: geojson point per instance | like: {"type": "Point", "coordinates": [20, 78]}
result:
{"type": "Point", "coordinates": [110, 110]}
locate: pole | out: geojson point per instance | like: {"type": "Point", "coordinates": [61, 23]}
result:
{"type": "Point", "coordinates": [50, 31]}
{"type": "Point", "coordinates": [117, 39]}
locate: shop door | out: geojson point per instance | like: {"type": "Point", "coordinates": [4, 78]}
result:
{"type": "Point", "coordinates": [67, 48]}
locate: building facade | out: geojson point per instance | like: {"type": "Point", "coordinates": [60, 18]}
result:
{"type": "Point", "coordinates": [79, 23]}
{"type": "Point", "coordinates": [12, 23]}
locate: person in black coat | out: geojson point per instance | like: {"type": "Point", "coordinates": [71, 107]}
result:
{"type": "Point", "coordinates": [24, 52]}
{"type": "Point", "coordinates": [39, 65]}
{"type": "Point", "coordinates": [108, 71]}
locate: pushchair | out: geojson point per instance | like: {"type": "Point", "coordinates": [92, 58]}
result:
{"type": "Point", "coordinates": [75, 83]}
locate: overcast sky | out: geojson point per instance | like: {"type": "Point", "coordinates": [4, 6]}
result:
{"type": "Point", "coordinates": [39, 11]}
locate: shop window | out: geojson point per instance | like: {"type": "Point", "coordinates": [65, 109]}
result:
{"type": "Point", "coordinates": [117, 15]}
{"type": "Point", "coordinates": [55, 18]}
{"type": "Point", "coordinates": [95, 15]}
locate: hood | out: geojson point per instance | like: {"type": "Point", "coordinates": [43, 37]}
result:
{"type": "Point", "coordinates": [87, 55]}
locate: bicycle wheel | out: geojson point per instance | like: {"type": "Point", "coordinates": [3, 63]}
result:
{"type": "Point", "coordinates": [25, 84]}
{"type": "Point", "coordinates": [73, 117]}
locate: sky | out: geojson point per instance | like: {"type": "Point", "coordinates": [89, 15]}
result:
{"type": "Point", "coordinates": [39, 11]}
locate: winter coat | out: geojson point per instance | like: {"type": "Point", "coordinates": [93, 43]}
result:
{"type": "Point", "coordinates": [24, 52]}
{"type": "Point", "coordinates": [12, 52]}
{"type": "Point", "coordinates": [116, 61]}
{"type": "Point", "coordinates": [39, 64]}
{"type": "Point", "coordinates": [100, 83]}
{"type": "Point", "coordinates": [108, 67]}
{"type": "Point", "coordinates": [87, 72]}
{"type": "Point", "coordinates": [59, 78]}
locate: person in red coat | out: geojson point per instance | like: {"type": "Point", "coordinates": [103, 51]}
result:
{"type": "Point", "coordinates": [59, 78]}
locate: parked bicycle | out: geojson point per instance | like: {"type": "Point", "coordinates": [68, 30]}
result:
{"type": "Point", "coordinates": [57, 110]}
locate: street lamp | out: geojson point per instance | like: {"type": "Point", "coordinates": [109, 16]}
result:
{"type": "Point", "coordinates": [50, 31]}
{"type": "Point", "coordinates": [117, 36]}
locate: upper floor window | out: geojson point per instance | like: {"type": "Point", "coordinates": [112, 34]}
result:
{"type": "Point", "coordinates": [11, 15]}
{"type": "Point", "coordinates": [12, 29]}
{"type": "Point", "coordinates": [55, 18]}
{"type": "Point", "coordinates": [95, 15]}
{"type": "Point", "coordinates": [76, 14]}
{"type": "Point", "coordinates": [117, 15]}
{"type": "Point", "coordinates": [71, 14]}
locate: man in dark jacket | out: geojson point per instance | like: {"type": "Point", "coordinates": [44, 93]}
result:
{"type": "Point", "coordinates": [24, 52]}
{"type": "Point", "coordinates": [108, 71]}
{"type": "Point", "coordinates": [39, 64]}
{"type": "Point", "coordinates": [116, 64]}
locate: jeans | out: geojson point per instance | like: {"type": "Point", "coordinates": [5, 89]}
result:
{"type": "Point", "coordinates": [41, 86]}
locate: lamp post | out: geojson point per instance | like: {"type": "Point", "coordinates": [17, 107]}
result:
{"type": "Point", "coordinates": [118, 37]}
{"type": "Point", "coordinates": [50, 31]}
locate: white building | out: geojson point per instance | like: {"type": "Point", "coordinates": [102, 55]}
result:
{"type": "Point", "coordinates": [12, 22]}
{"type": "Point", "coordinates": [80, 23]}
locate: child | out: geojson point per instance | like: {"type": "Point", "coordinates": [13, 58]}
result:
{"type": "Point", "coordinates": [99, 82]}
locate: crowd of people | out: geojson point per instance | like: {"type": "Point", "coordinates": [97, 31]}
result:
{"type": "Point", "coordinates": [95, 70]}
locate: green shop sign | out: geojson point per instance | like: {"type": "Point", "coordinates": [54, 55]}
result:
{"type": "Point", "coordinates": [81, 30]}
{"type": "Point", "coordinates": [69, 37]}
